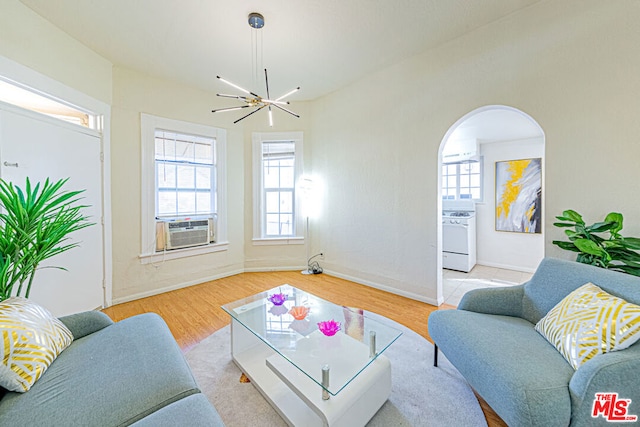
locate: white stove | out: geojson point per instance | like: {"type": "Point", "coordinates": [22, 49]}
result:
{"type": "Point", "coordinates": [458, 235]}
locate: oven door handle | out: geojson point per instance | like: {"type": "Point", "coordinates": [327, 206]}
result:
{"type": "Point", "coordinates": [455, 225]}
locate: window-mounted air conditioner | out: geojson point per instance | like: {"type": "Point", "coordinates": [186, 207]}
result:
{"type": "Point", "coordinates": [184, 234]}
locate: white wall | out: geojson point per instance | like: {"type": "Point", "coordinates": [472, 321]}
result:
{"type": "Point", "coordinates": [570, 65]}
{"type": "Point", "coordinates": [516, 251]}
{"type": "Point", "coordinates": [135, 93]}
{"type": "Point", "coordinates": [30, 40]}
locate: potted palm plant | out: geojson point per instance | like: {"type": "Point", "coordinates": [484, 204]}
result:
{"type": "Point", "coordinates": [35, 224]}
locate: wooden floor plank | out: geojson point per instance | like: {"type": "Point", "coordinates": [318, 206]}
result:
{"type": "Point", "coordinates": [194, 313]}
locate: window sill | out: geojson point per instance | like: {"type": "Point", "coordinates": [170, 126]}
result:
{"type": "Point", "coordinates": [183, 253]}
{"type": "Point", "coordinates": [278, 241]}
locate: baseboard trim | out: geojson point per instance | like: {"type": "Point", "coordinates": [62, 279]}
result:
{"type": "Point", "coordinates": [385, 288]}
{"type": "Point", "coordinates": [506, 266]}
{"type": "Point", "coordinates": [175, 287]}
{"type": "Point", "coordinates": [270, 269]}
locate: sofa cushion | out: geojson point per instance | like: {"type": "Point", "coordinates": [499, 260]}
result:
{"type": "Point", "coordinates": [192, 411]}
{"type": "Point", "coordinates": [31, 340]}
{"type": "Point", "coordinates": [588, 322]}
{"type": "Point", "coordinates": [112, 377]}
{"type": "Point", "coordinates": [504, 356]}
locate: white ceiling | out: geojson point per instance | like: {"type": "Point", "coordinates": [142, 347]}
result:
{"type": "Point", "coordinates": [320, 45]}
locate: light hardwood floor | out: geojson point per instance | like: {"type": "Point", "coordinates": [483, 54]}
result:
{"type": "Point", "coordinates": [194, 313]}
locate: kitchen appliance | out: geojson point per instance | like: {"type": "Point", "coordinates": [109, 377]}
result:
{"type": "Point", "coordinates": [458, 235]}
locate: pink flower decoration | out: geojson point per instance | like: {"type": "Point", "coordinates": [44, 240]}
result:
{"type": "Point", "coordinates": [329, 327]}
{"type": "Point", "coordinates": [278, 299]}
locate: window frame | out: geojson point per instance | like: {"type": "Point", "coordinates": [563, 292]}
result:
{"type": "Point", "coordinates": [148, 126]}
{"type": "Point", "coordinates": [458, 175]}
{"type": "Point", "coordinates": [259, 229]}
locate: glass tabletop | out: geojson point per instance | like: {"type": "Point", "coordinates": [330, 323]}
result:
{"type": "Point", "coordinates": [312, 333]}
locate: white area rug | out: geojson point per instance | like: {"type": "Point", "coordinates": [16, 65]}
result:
{"type": "Point", "coordinates": [421, 395]}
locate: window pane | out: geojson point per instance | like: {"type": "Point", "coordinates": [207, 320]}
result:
{"type": "Point", "coordinates": [186, 202]}
{"type": "Point", "coordinates": [184, 151]}
{"type": "Point", "coordinates": [167, 203]}
{"type": "Point", "coordinates": [475, 180]}
{"type": "Point", "coordinates": [273, 224]}
{"type": "Point", "coordinates": [166, 176]}
{"type": "Point", "coordinates": [186, 177]}
{"type": "Point", "coordinates": [286, 225]}
{"type": "Point", "coordinates": [203, 177]}
{"type": "Point", "coordinates": [286, 202]}
{"type": "Point", "coordinates": [203, 199]}
{"type": "Point", "coordinates": [451, 182]}
{"type": "Point", "coordinates": [203, 153]}
{"type": "Point", "coordinates": [464, 181]}
{"type": "Point", "coordinates": [475, 193]}
{"type": "Point", "coordinates": [286, 176]}
{"type": "Point", "coordinates": [271, 175]}
{"type": "Point", "coordinates": [465, 168]}
{"type": "Point", "coordinates": [272, 202]}
{"type": "Point", "coordinates": [165, 148]}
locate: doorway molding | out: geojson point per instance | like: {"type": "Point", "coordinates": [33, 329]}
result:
{"type": "Point", "coordinates": [450, 131]}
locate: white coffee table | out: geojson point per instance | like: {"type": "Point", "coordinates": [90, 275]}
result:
{"type": "Point", "coordinates": [286, 359]}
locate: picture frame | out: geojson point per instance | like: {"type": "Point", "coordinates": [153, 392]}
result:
{"type": "Point", "coordinates": [518, 191]}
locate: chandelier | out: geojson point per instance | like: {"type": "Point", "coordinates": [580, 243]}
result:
{"type": "Point", "coordinates": [251, 99]}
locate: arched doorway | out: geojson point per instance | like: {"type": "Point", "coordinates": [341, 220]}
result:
{"type": "Point", "coordinates": [469, 152]}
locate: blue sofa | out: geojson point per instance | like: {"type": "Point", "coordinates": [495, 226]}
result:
{"type": "Point", "coordinates": [491, 340]}
{"type": "Point", "coordinates": [113, 374]}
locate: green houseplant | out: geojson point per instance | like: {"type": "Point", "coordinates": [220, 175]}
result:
{"type": "Point", "coordinates": [601, 243]}
{"type": "Point", "coordinates": [35, 224]}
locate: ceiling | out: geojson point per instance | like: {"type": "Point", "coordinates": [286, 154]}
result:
{"type": "Point", "coordinates": [320, 45]}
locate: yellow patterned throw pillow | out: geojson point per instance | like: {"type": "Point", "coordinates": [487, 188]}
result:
{"type": "Point", "coordinates": [588, 322]}
{"type": "Point", "coordinates": [31, 340]}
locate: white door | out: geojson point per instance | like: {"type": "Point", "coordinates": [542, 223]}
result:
{"type": "Point", "coordinates": [39, 147]}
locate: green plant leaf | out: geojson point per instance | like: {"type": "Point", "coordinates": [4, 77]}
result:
{"type": "Point", "coordinates": [571, 215]}
{"type": "Point", "coordinates": [35, 225]}
{"type": "Point", "coordinates": [617, 218]}
{"type": "Point", "coordinates": [630, 243]}
{"type": "Point", "coordinates": [600, 227]}
{"type": "Point", "coordinates": [569, 246]}
{"type": "Point", "coordinates": [590, 247]}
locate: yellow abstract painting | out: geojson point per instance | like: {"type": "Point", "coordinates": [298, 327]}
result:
{"type": "Point", "coordinates": [519, 195]}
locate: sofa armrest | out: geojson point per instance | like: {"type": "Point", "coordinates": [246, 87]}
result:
{"type": "Point", "coordinates": [613, 372]}
{"type": "Point", "coordinates": [505, 301]}
{"type": "Point", "coordinates": [86, 323]}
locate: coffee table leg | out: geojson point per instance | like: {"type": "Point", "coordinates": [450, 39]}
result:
{"type": "Point", "coordinates": [372, 344]}
{"type": "Point", "coordinates": [325, 382]}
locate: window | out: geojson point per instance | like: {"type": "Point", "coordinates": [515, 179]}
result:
{"type": "Point", "coordinates": [277, 168]}
{"type": "Point", "coordinates": [462, 181]}
{"type": "Point", "coordinates": [183, 179]}
{"type": "Point", "coordinates": [185, 175]}
{"type": "Point", "coordinates": [29, 99]}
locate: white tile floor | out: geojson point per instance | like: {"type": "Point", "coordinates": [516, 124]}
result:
{"type": "Point", "coordinates": [456, 283]}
